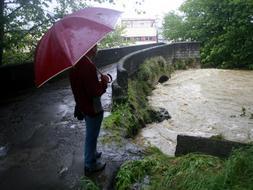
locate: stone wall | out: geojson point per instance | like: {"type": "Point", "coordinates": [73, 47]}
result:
{"type": "Point", "coordinates": [129, 64]}
{"type": "Point", "coordinates": [113, 55]}
{"type": "Point", "coordinates": [14, 79]}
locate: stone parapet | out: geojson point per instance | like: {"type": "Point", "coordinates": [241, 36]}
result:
{"type": "Point", "coordinates": [129, 65]}
{"type": "Point", "coordinates": [14, 79]}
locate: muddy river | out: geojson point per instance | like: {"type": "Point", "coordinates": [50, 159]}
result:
{"type": "Point", "coordinates": [202, 102]}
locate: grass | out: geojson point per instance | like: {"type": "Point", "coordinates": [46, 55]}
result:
{"type": "Point", "coordinates": [120, 124]}
{"type": "Point", "coordinates": [190, 172]}
{"type": "Point", "coordinates": [134, 171]}
{"type": "Point", "coordinates": [87, 184]}
{"type": "Point", "coordinates": [217, 137]}
{"type": "Point", "coordinates": [183, 64]}
{"type": "Point", "coordinates": [238, 171]}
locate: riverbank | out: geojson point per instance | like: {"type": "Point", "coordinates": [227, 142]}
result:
{"type": "Point", "coordinates": [202, 102]}
{"type": "Point", "coordinates": [206, 102]}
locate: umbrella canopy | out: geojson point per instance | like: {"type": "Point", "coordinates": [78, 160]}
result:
{"type": "Point", "coordinates": [69, 39]}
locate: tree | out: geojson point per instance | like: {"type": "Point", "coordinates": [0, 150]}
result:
{"type": "Point", "coordinates": [225, 29]}
{"type": "Point", "coordinates": [173, 27]}
{"type": "Point", "coordinates": [114, 39]}
{"type": "Point", "coordinates": [1, 29]}
{"type": "Point", "coordinates": [22, 23]}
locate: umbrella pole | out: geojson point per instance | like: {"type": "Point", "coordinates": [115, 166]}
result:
{"type": "Point", "coordinates": [84, 149]}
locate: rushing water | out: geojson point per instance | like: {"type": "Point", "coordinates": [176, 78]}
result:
{"type": "Point", "coordinates": [203, 102]}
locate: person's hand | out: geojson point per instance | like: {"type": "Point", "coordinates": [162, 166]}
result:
{"type": "Point", "coordinates": [105, 78]}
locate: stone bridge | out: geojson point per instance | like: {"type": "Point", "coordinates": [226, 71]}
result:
{"type": "Point", "coordinates": [41, 144]}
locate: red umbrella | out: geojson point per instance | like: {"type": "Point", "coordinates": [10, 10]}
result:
{"type": "Point", "coordinates": [69, 39]}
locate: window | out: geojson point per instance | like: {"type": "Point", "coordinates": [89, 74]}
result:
{"type": "Point", "coordinates": [137, 38]}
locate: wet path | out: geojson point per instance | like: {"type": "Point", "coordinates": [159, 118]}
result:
{"type": "Point", "coordinates": [46, 141]}
{"type": "Point", "coordinates": [203, 103]}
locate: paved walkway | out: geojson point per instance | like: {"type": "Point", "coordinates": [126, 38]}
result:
{"type": "Point", "coordinates": [46, 142]}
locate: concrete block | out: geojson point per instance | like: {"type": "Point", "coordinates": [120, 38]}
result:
{"type": "Point", "coordinates": [191, 144]}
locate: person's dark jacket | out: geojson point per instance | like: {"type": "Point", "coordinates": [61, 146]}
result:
{"type": "Point", "coordinates": [86, 87]}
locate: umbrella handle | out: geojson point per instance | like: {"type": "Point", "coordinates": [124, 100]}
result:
{"type": "Point", "coordinates": [110, 76]}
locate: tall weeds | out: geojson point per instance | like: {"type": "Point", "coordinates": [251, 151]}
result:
{"type": "Point", "coordinates": [190, 172]}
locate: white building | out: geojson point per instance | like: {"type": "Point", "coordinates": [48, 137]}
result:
{"type": "Point", "coordinates": [140, 31]}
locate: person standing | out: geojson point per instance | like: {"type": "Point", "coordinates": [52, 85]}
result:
{"type": "Point", "coordinates": [88, 85]}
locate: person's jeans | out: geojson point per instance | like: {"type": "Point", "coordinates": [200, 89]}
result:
{"type": "Point", "coordinates": [93, 125]}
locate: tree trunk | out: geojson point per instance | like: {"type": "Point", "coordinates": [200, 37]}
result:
{"type": "Point", "coordinates": [1, 30]}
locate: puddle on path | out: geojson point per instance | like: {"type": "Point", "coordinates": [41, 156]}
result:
{"type": "Point", "coordinates": [203, 102]}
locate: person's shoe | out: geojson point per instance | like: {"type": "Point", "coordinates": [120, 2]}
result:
{"type": "Point", "coordinates": [98, 154]}
{"type": "Point", "coordinates": [99, 166]}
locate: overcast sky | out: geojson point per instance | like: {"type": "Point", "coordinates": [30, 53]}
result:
{"type": "Point", "coordinates": [153, 8]}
